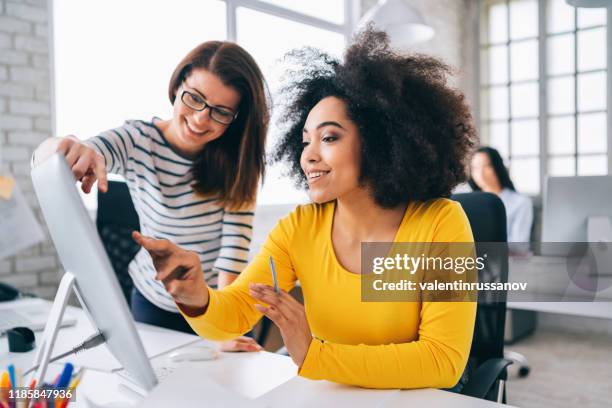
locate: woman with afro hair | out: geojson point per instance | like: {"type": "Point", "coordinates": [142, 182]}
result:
{"type": "Point", "coordinates": [379, 140]}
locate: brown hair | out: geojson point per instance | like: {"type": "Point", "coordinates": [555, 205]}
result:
{"type": "Point", "coordinates": [231, 166]}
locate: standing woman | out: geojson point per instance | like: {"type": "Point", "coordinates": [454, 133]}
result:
{"type": "Point", "coordinates": [193, 178]}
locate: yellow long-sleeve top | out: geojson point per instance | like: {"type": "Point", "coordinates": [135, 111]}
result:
{"type": "Point", "coordinates": [368, 344]}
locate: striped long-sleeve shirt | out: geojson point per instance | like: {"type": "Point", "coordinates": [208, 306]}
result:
{"type": "Point", "coordinates": [160, 183]}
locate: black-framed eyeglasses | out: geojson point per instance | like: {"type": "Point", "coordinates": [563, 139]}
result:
{"type": "Point", "coordinates": [218, 114]}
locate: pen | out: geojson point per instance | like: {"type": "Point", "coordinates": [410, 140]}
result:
{"type": "Point", "coordinates": [273, 270]}
{"type": "Point", "coordinates": [62, 382]}
{"type": "Point", "coordinates": [72, 389]}
{"type": "Point", "coordinates": [13, 382]}
{"type": "Point", "coordinates": [76, 378]}
{"type": "Point", "coordinates": [31, 388]}
{"type": "Point", "coordinates": [11, 372]}
{"type": "Point", "coordinates": [65, 377]}
{"type": "Point", "coordinates": [5, 385]}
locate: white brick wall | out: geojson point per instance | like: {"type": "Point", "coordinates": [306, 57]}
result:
{"type": "Point", "coordinates": [15, 154]}
{"type": "Point", "coordinates": [25, 114]}
{"type": "Point", "coordinates": [34, 262]}
{"type": "Point", "coordinates": [15, 122]}
{"type": "Point", "coordinates": [27, 138]}
{"type": "Point", "coordinates": [15, 90]}
{"type": "Point", "coordinates": [13, 25]}
{"type": "Point", "coordinates": [6, 267]}
{"type": "Point", "coordinates": [23, 281]}
{"type": "Point", "coordinates": [13, 57]}
{"type": "Point", "coordinates": [29, 75]}
{"type": "Point", "coordinates": [50, 278]}
{"type": "Point", "coordinates": [42, 123]}
{"type": "Point", "coordinates": [28, 107]}
{"type": "Point", "coordinates": [33, 44]}
{"type": "Point", "coordinates": [26, 12]}
{"type": "Point", "coordinates": [5, 40]}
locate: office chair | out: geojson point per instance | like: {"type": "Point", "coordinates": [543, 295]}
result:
{"type": "Point", "coordinates": [116, 220]}
{"type": "Point", "coordinates": [486, 370]}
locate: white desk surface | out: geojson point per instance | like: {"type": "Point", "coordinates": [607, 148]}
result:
{"type": "Point", "coordinates": [303, 393]}
{"type": "Point", "coordinates": [544, 271]}
{"type": "Point", "coordinates": [156, 341]}
{"type": "Point", "coordinates": [270, 379]}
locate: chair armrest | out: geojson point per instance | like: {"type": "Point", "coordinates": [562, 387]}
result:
{"type": "Point", "coordinates": [484, 377]}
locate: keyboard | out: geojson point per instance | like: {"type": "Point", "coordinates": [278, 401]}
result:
{"type": "Point", "coordinates": [161, 371]}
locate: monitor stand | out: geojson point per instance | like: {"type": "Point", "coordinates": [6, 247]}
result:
{"type": "Point", "coordinates": [47, 341]}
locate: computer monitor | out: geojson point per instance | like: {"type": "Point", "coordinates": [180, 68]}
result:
{"type": "Point", "coordinates": [575, 210]}
{"type": "Point", "coordinates": [82, 254]}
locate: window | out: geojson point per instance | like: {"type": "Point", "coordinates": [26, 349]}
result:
{"type": "Point", "coordinates": [113, 59]}
{"type": "Point", "coordinates": [564, 62]}
{"type": "Point", "coordinates": [257, 31]}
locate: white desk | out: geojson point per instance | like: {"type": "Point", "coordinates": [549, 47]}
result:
{"type": "Point", "coordinates": [235, 371]}
{"type": "Point", "coordinates": [303, 393]}
{"type": "Point", "coordinates": [548, 273]}
{"type": "Point", "coordinates": [269, 379]}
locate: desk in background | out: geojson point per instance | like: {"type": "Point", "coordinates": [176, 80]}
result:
{"type": "Point", "coordinates": [544, 270]}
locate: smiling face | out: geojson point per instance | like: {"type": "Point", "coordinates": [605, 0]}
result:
{"type": "Point", "coordinates": [192, 129]}
{"type": "Point", "coordinates": [331, 157]}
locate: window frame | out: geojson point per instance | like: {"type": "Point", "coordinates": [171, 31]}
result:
{"type": "Point", "coordinates": [351, 16]}
{"type": "Point", "coordinates": [544, 156]}
{"type": "Point", "coordinates": [352, 9]}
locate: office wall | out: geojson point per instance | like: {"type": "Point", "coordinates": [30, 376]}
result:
{"type": "Point", "coordinates": [25, 121]}
{"type": "Point", "coordinates": [454, 37]}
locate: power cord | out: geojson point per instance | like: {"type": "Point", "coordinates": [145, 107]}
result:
{"type": "Point", "coordinates": [93, 341]}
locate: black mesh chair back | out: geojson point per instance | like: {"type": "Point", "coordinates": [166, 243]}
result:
{"type": "Point", "coordinates": [487, 216]}
{"type": "Point", "coordinates": [116, 220]}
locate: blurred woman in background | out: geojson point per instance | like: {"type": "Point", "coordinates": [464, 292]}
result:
{"type": "Point", "coordinates": [489, 174]}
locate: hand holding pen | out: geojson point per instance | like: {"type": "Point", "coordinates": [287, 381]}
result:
{"type": "Point", "coordinates": [287, 313]}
